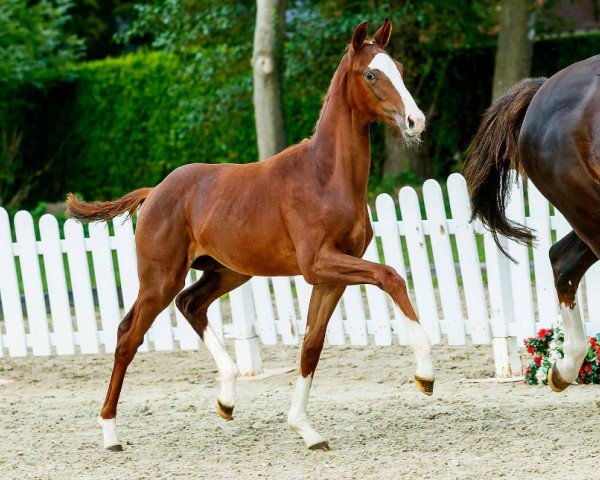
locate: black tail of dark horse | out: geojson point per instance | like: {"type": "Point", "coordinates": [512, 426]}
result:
{"type": "Point", "coordinates": [492, 154]}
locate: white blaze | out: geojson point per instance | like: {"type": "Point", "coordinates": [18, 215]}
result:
{"type": "Point", "coordinates": [384, 63]}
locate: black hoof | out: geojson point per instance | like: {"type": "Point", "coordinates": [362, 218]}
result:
{"type": "Point", "coordinates": [115, 448]}
{"type": "Point", "coordinates": [323, 446]}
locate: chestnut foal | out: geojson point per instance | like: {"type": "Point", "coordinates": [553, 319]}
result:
{"type": "Point", "coordinates": [303, 211]}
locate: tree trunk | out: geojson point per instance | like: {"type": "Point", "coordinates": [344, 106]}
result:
{"type": "Point", "coordinates": [515, 45]}
{"type": "Point", "coordinates": [268, 112]}
{"type": "Point", "coordinates": [395, 158]}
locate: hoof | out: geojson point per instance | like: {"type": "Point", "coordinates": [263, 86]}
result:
{"type": "Point", "coordinates": [323, 446]}
{"type": "Point", "coordinates": [555, 380]}
{"type": "Point", "coordinates": [425, 385]}
{"type": "Point", "coordinates": [115, 448]}
{"type": "Point", "coordinates": [224, 412]}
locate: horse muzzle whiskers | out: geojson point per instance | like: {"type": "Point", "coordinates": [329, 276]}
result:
{"type": "Point", "coordinates": [410, 127]}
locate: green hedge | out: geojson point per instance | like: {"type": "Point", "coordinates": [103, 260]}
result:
{"type": "Point", "coordinates": [135, 118]}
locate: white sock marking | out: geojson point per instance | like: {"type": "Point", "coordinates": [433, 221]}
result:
{"type": "Point", "coordinates": [227, 368]}
{"type": "Point", "coordinates": [421, 348]}
{"type": "Point", "coordinates": [575, 344]}
{"type": "Point", "coordinates": [109, 432]}
{"type": "Point", "coordinates": [297, 418]}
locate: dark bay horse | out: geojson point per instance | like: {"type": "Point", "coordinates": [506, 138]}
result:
{"type": "Point", "coordinates": [550, 129]}
{"type": "Point", "coordinates": [303, 211]}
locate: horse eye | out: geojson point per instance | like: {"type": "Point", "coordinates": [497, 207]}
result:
{"type": "Point", "coordinates": [370, 76]}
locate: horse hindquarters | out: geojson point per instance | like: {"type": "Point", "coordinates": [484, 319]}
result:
{"type": "Point", "coordinates": [162, 267]}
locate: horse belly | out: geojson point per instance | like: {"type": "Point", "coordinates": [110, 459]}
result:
{"type": "Point", "coordinates": [261, 249]}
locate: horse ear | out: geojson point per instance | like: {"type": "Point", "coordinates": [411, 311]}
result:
{"type": "Point", "coordinates": [382, 36]}
{"type": "Point", "coordinates": [360, 34]}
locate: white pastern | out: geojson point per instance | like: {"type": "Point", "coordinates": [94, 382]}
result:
{"type": "Point", "coordinates": [574, 346]}
{"type": "Point", "coordinates": [228, 370]}
{"type": "Point", "coordinates": [109, 431]}
{"type": "Point", "coordinates": [297, 418]}
{"type": "Point", "coordinates": [422, 349]}
{"type": "Point", "coordinates": [384, 63]}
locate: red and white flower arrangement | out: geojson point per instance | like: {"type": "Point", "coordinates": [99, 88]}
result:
{"type": "Point", "coordinates": [547, 347]}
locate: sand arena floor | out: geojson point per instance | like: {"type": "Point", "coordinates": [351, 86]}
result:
{"type": "Point", "coordinates": [363, 400]}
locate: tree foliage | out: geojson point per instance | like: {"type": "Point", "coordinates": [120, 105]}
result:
{"type": "Point", "coordinates": [111, 125]}
{"type": "Point", "coordinates": [35, 52]}
{"type": "Point", "coordinates": [34, 48]}
{"type": "Point", "coordinates": [188, 25]}
{"type": "Point", "coordinates": [96, 22]}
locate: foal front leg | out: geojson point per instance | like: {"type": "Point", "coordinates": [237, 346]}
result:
{"type": "Point", "coordinates": [322, 304]}
{"type": "Point", "coordinates": [337, 268]}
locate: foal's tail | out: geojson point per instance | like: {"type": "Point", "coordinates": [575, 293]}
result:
{"type": "Point", "coordinates": [105, 211]}
{"type": "Point", "coordinates": [493, 152]}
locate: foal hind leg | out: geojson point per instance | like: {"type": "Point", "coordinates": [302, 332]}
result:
{"type": "Point", "coordinates": [322, 304]}
{"type": "Point", "coordinates": [193, 303]}
{"type": "Point", "coordinates": [156, 292]}
{"type": "Point", "coordinates": [570, 257]}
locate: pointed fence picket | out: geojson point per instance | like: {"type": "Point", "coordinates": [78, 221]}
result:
{"type": "Point", "coordinates": [419, 262]}
{"type": "Point", "coordinates": [265, 316]}
{"type": "Point", "coordinates": [439, 233]}
{"type": "Point", "coordinates": [381, 327]}
{"type": "Point", "coordinates": [387, 230]}
{"type": "Point", "coordinates": [463, 291]}
{"type": "Point", "coordinates": [539, 221]}
{"type": "Point", "coordinates": [303, 292]}
{"type": "Point", "coordinates": [468, 258]}
{"type": "Point", "coordinates": [14, 326]}
{"type": "Point", "coordinates": [58, 294]}
{"type": "Point", "coordinates": [106, 286]}
{"type": "Point", "coordinates": [286, 311]}
{"type": "Point", "coordinates": [520, 270]}
{"type": "Point", "coordinates": [356, 322]}
{"type": "Point", "coordinates": [32, 284]}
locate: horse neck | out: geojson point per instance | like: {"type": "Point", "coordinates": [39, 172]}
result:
{"type": "Point", "coordinates": [341, 141]}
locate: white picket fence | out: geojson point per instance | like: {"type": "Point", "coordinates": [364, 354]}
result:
{"type": "Point", "coordinates": [459, 299]}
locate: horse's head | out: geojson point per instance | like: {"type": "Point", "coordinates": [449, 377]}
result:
{"type": "Point", "coordinates": [375, 83]}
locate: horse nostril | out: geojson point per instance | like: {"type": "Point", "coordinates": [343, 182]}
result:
{"type": "Point", "coordinates": [411, 123]}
